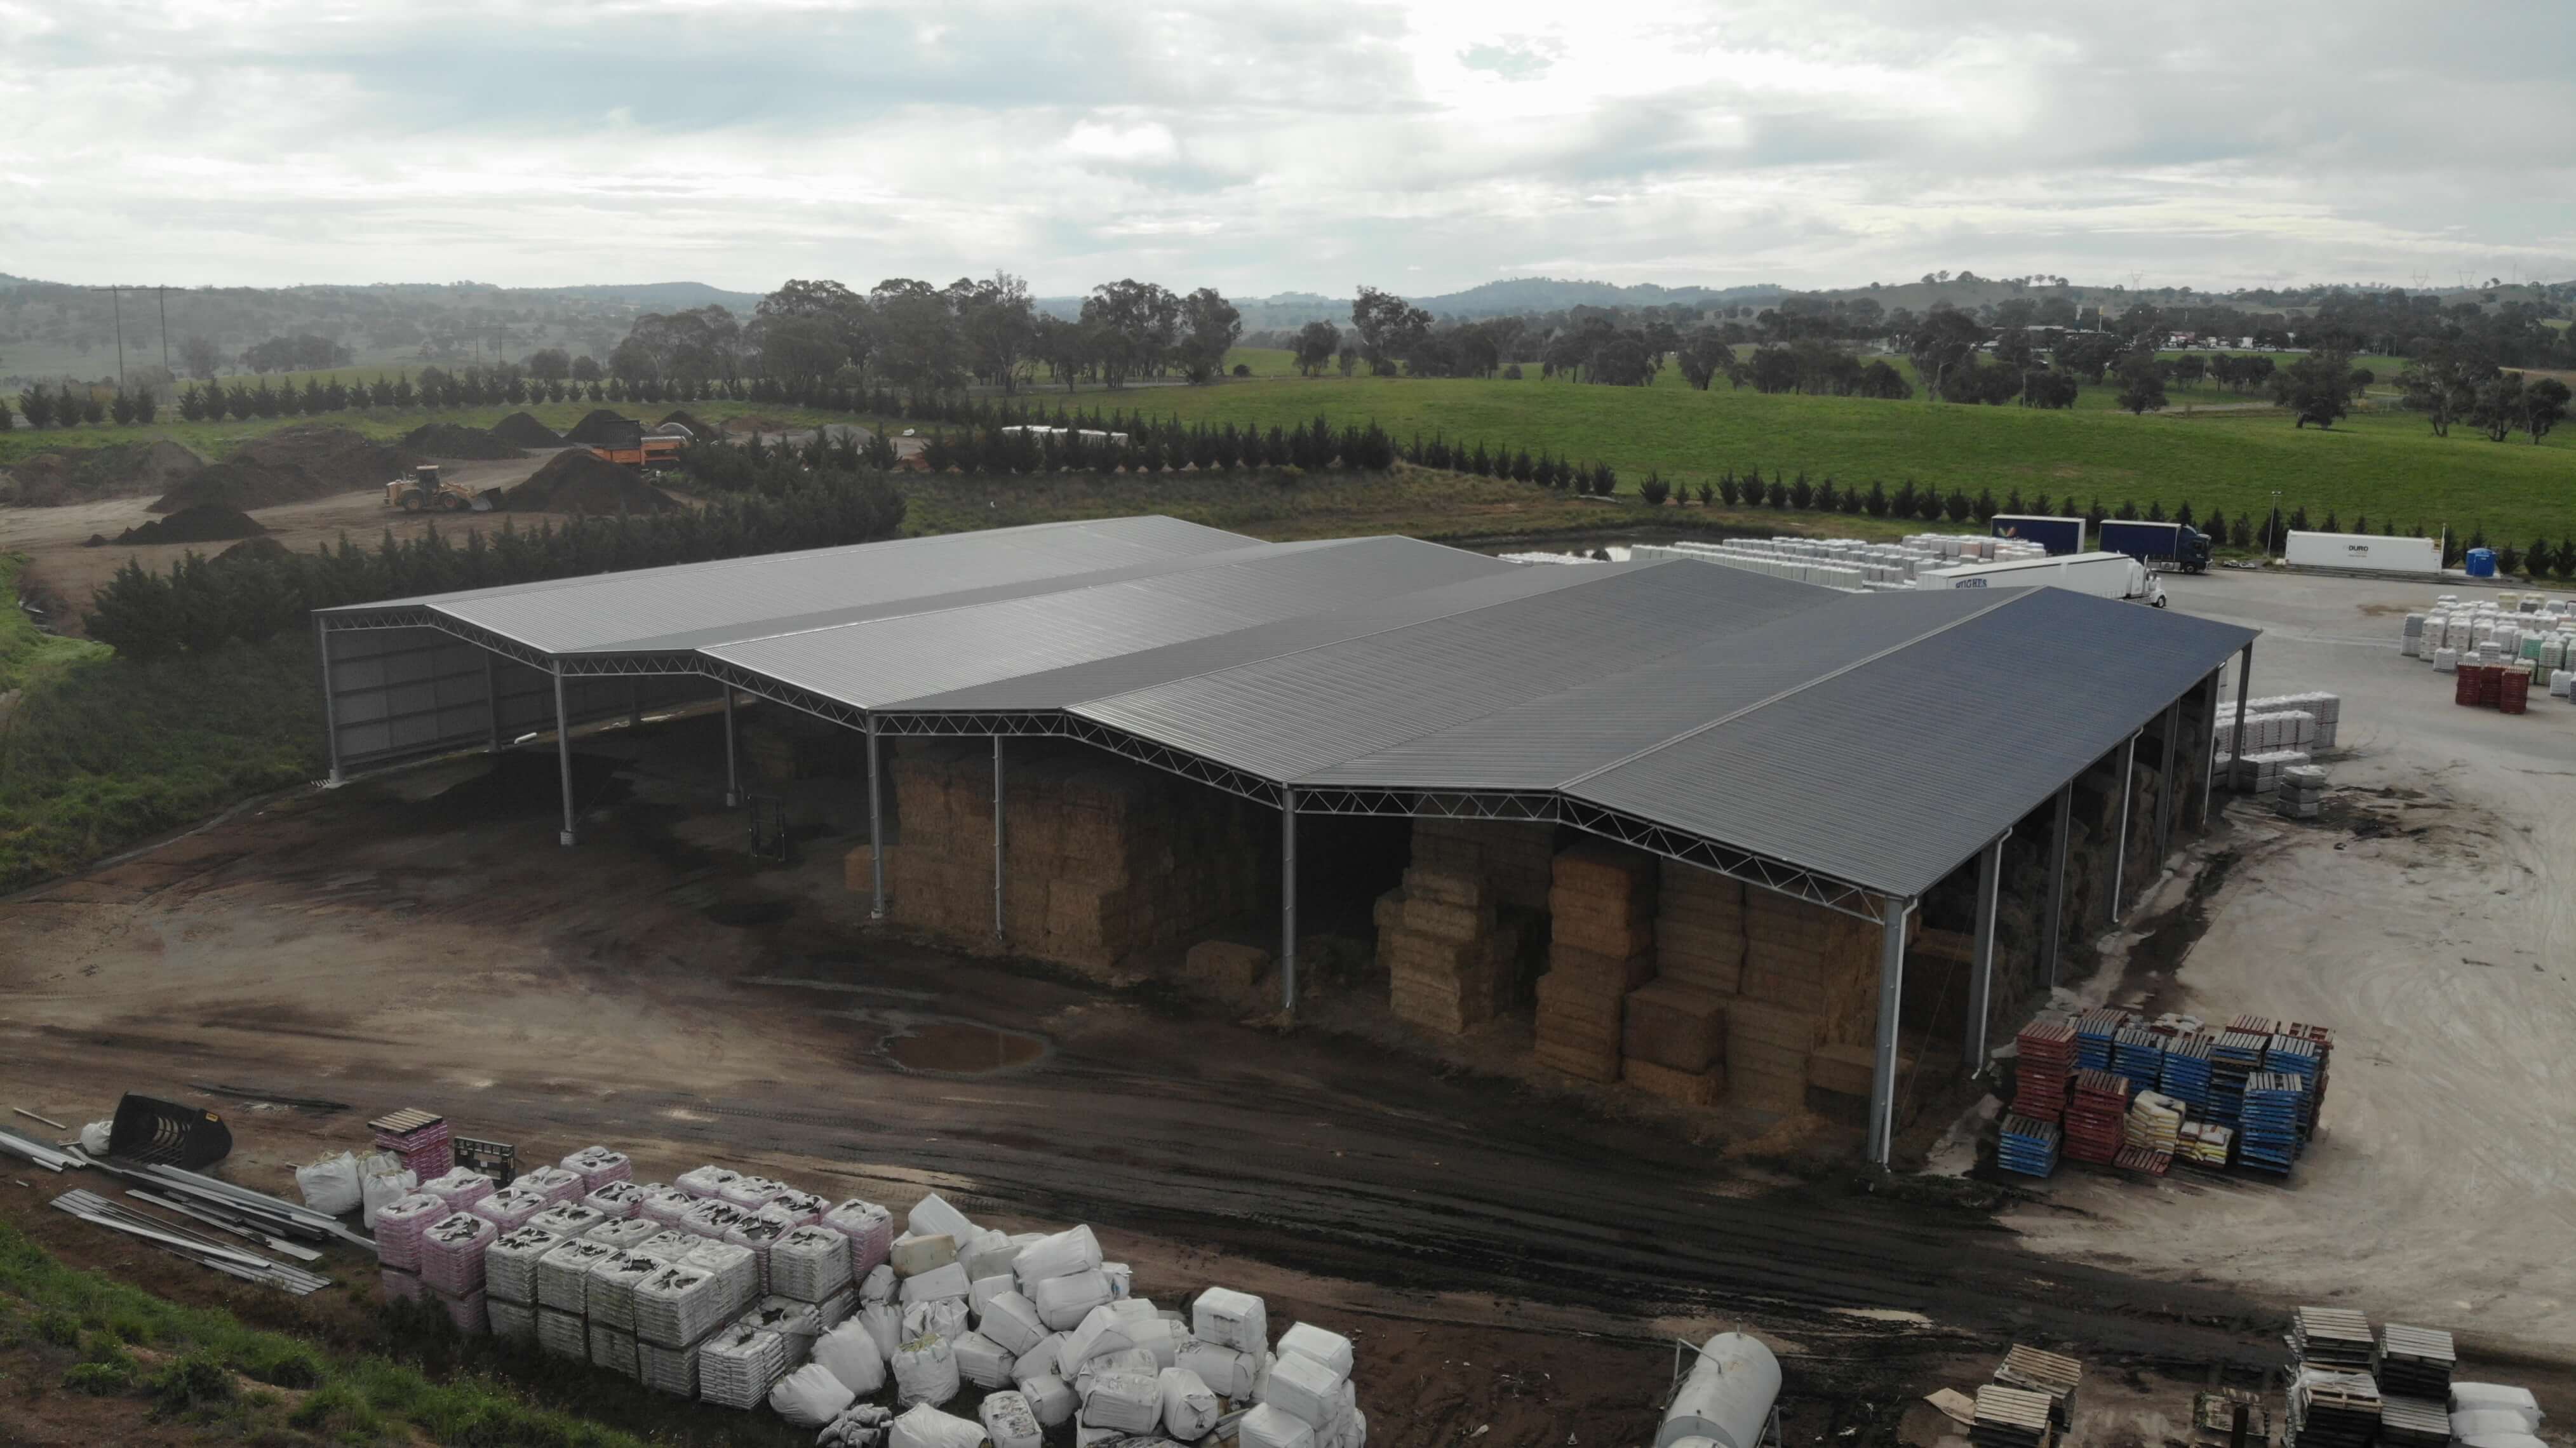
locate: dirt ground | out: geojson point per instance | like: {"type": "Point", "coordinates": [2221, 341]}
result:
{"type": "Point", "coordinates": [2431, 919]}
{"type": "Point", "coordinates": [1510, 1258]}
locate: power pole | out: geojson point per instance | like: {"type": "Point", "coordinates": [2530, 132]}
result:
{"type": "Point", "coordinates": [163, 296]}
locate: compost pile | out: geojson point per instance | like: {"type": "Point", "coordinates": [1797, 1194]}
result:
{"type": "Point", "coordinates": [521, 430]}
{"type": "Point", "coordinates": [583, 482]}
{"type": "Point", "coordinates": [118, 470]}
{"type": "Point", "coordinates": [454, 440]}
{"type": "Point", "coordinates": [203, 523]}
{"type": "Point", "coordinates": [288, 466]}
{"type": "Point", "coordinates": [598, 428]}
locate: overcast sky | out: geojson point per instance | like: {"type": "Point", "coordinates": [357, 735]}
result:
{"type": "Point", "coordinates": [1305, 145]}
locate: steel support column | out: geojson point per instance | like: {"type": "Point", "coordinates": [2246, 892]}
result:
{"type": "Point", "coordinates": [2244, 686]}
{"type": "Point", "coordinates": [876, 829]}
{"type": "Point", "coordinates": [1891, 994]}
{"type": "Point", "coordinates": [492, 702]}
{"type": "Point", "coordinates": [2165, 785]}
{"type": "Point", "coordinates": [1288, 901]}
{"type": "Point", "coordinates": [997, 837]}
{"type": "Point", "coordinates": [634, 704]}
{"type": "Point", "coordinates": [2209, 743]}
{"type": "Point", "coordinates": [563, 756]}
{"type": "Point", "coordinates": [1981, 976]}
{"type": "Point", "coordinates": [2120, 852]}
{"type": "Point", "coordinates": [2053, 933]}
{"type": "Point", "coordinates": [733, 779]}
{"type": "Point", "coordinates": [330, 705]}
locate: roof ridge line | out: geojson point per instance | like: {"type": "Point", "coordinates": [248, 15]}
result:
{"type": "Point", "coordinates": [2014, 596]}
{"type": "Point", "coordinates": [1078, 705]}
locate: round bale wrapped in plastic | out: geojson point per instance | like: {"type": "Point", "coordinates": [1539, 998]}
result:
{"type": "Point", "coordinates": [926, 1427]}
{"type": "Point", "coordinates": [925, 1371]}
{"type": "Point", "coordinates": [1189, 1405]}
{"type": "Point", "coordinates": [1010, 1422]}
{"type": "Point", "coordinates": [810, 1396]}
{"type": "Point", "coordinates": [849, 1353]}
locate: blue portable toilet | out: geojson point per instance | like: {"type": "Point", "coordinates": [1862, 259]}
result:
{"type": "Point", "coordinates": [2481, 563]}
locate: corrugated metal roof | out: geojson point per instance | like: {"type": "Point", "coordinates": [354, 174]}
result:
{"type": "Point", "coordinates": [738, 597]}
{"type": "Point", "coordinates": [1892, 773]}
{"type": "Point", "coordinates": [883, 663]}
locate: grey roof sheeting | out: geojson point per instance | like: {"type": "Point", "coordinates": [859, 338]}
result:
{"type": "Point", "coordinates": [1878, 739]}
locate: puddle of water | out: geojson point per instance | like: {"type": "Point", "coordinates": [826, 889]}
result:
{"type": "Point", "coordinates": [960, 1048]}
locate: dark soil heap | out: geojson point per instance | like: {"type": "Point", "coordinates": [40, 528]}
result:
{"type": "Point", "coordinates": [114, 471]}
{"type": "Point", "coordinates": [204, 523]}
{"type": "Point", "coordinates": [583, 482]}
{"type": "Point", "coordinates": [289, 466]}
{"type": "Point", "coordinates": [597, 428]}
{"type": "Point", "coordinates": [249, 548]}
{"type": "Point", "coordinates": [521, 430]}
{"type": "Point", "coordinates": [454, 440]}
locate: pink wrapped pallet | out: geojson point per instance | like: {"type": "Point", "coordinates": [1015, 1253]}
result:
{"type": "Point", "coordinates": [451, 1253]}
{"type": "Point", "coordinates": [663, 1204]}
{"type": "Point", "coordinates": [399, 1228]}
{"type": "Point", "coordinates": [468, 1313]}
{"type": "Point", "coordinates": [704, 1182]}
{"type": "Point", "coordinates": [460, 1188]}
{"type": "Point", "coordinates": [620, 1200]}
{"type": "Point", "coordinates": [712, 1218]}
{"type": "Point", "coordinates": [870, 1229]}
{"type": "Point", "coordinates": [599, 1166]}
{"type": "Point", "coordinates": [419, 1138]}
{"type": "Point", "coordinates": [511, 1208]}
{"type": "Point", "coordinates": [554, 1183]}
{"type": "Point", "coordinates": [759, 1232]}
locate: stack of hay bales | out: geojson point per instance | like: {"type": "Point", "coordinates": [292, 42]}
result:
{"type": "Point", "coordinates": [1514, 859]}
{"type": "Point", "coordinates": [1600, 947]}
{"type": "Point", "coordinates": [1810, 977]}
{"type": "Point", "coordinates": [1699, 929]}
{"type": "Point", "coordinates": [1101, 859]}
{"type": "Point", "coordinates": [1448, 959]}
{"type": "Point", "coordinates": [782, 746]}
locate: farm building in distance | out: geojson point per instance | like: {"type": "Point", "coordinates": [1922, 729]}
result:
{"type": "Point", "coordinates": [1724, 835]}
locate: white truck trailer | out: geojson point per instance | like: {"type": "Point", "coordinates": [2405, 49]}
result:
{"type": "Point", "coordinates": [2104, 575]}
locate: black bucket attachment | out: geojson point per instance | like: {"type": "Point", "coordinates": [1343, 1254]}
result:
{"type": "Point", "coordinates": [164, 1133]}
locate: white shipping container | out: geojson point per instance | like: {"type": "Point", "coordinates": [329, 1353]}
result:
{"type": "Point", "coordinates": [2104, 575]}
{"type": "Point", "coordinates": [2364, 550]}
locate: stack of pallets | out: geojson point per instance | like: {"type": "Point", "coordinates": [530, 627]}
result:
{"type": "Point", "coordinates": [2331, 1409]}
{"type": "Point", "coordinates": [2139, 1054]}
{"type": "Point", "coordinates": [2235, 1055]}
{"type": "Point", "coordinates": [2297, 1056]}
{"type": "Point", "coordinates": [2008, 1417]}
{"type": "Point", "coordinates": [2269, 1135]}
{"type": "Point", "coordinates": [2047, 1060]}
{"type": "Point", "coordinates": [2185, 1076]}
{"type": "Point", "coordinates": [2095, 1031]}
{"type": "Point", "coordinates": [2049, 1373]}
{"type": "Point", "coordinates": [419, 1138]}
{"type": "Point", "coordinates": [2028, 1146]}
{"type": "Point", "coordinates": [2336, 1338]}
{"type": "Point", "coordinates": [2097, 1119]}
{"type": "Point", "coordinates": [2415, 1362]}
{"type": "Point", "coordinates": [2413, 1422]}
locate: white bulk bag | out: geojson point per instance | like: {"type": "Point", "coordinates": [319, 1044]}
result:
{"type": "Point", "coordinates": [1232, 1319]}
{"type": "Point", "coordinates": [1224, 1370]}
{"type": "Point", "coordinates": [1010, 1422]}
{"type": "Point", "coordinates": [1061, 1255]}
{"type": "Point", "coordinates": [1040, 1359]}
{"type": "Point", "coordinates": [1012, 1321]}
{"type": "Point", "coordinates": [1050, 1397]}
{"type": "Point", "coordinates": [1100, 1332]}
{"type": "Point", "coordinates": [1122, 1278]}
{"type": "Point", "coordinates": [938, 1283]}
{"type": "Point", "coordinates": [927, 1427]}
{"type": "Point", "coordinates": [1267, 1427]}
{"type": "Point", "coordinates": [913, 1256]}
{"type": "Point", "coordinates": [94, 1137]}
{"type": "Point", "coordinates": [861, 1425]}
{"type": "Point", "coordinates": [2501, 1440]}
{"type": "Point", "coordinates": [1063, 1302]}
{"type": "Point", "coordinates": [2486, 1422]}
{"type": "Point", "coordinates": [810, 1397]}
{"type": "Point", "coordinates": [989, 1254]}
{"type": "Point", "coordinates": [1329, 1348]}
{"type": "Point", "coordinates": [379, 1190]}
{"type": "Point", "coordinates": [1160, 1336]}
{"type": "Point", "coordinates": [2471, 1397]}
{"type": "Point", "coordinates": [925, 1371]}
{"type": "Point", "coordinates": [878, 1285]}
{"type": "Point", "coordinates": [850, 1354]}
{"type": "Point", "coordinates": [981, 1361]}
{"type": "Point", "coordinates": [945, 1318]}
{"type": "Point", "coordinates": [1189, 1405]}
{"type": "Point", "coordinates": [331, 1185]}
{"type": "Point", "coordinates": [1303, 1388]}
{"type": "Point", "coordinates": [980, 1291]}
{"type": "Point", "coordinates": [1132, 1362]}
{"type": "Point", "coordinates": [1129, 1402]}
{"type": "Point", "coordinates": [883, 1323]}
{"type": "Point", "coordinates": [932, 1216]}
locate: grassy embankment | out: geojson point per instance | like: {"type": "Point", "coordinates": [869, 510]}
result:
{"type": "Point", "coordinates": [85, 1352]}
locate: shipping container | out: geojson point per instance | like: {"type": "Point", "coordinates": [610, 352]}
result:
{"type": "Point", "coordinates": [2057, 535]}
{"type": "Point", "coordinates": [2364, 550]}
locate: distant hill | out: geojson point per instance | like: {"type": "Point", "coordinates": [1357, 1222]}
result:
{"type": "Point", "coordinates": [664, 296]}
{"type": "Point", "coordinates": [1520, 296]}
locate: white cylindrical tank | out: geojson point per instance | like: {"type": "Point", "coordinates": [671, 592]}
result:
{"type": "Point", "coordinates": [1726, 1397]}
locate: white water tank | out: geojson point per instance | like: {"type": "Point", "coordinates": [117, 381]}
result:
{"type": "Point", "coordinates": [1726, 1398]}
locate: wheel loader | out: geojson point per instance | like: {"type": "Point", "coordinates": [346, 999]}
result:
{"type": "Point", "coordinates": [425, 492]}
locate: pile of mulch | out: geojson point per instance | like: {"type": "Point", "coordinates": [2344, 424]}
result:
{"type": "Point", "coordinates": [521, 430]}
{"type": "Point", "coordinates": [250, 548]}
{"type": "Point", "coordinates": [584, 482]}
{"type": "Point", "coordinates": [204, 523]}
{"type": "Point", "coordinates": [598, 428]}
{"type": "Point", "coordinates": [455, 440]}
{"type": "Point", "coordinates": [289, 466]}
{"type": "Point", "coordinates": [118, 470]}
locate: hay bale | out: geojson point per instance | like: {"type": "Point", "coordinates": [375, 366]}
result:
{"type": "Point", "coordinates": [1685, 1088]}
{"type": "Point", "coordinates": [1673, 1025]}
{"type": "Point", "coordinates": [1601, 971]}
{"type": "Point", "coordinates": [1226, 967]}
{"type": "Point", "coordinates": [1846, 1070]}
{"type": "Point", "coordinates": [1609, 871]}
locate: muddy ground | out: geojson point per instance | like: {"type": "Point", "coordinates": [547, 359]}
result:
{"type": "Point", "coordinates": [1512, 1258]}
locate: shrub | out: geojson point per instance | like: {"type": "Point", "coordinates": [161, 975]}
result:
{"type": "Point", "coordinates": [1728, 489]}
{"type": "Point", "coordinates": [1958, 506]}
{"type": "Point", "coordinates": [1512, 373]}
{"type": "Point", "coordinates": [105, 1377]}
{"type": "Point", "coordinates": [1707, 494]}
{"type": "Point", "coordinates": [1876, 502]}
{"type": "Point", "coordinates": [1654, 490]}
{"type": "Point", "coordinates": [282, 1364]}
{"type": "Point", "coordinates": [1984, 507]}
{"type": "Point", "coordinates": [196, 1380]}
